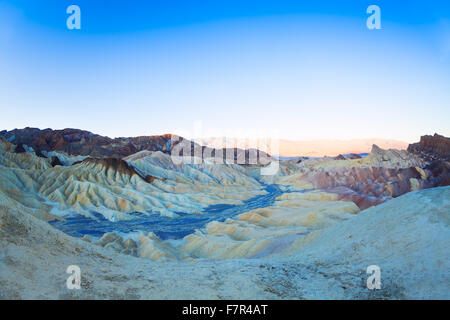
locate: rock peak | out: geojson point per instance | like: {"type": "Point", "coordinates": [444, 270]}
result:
{"type": "Point", "coordinates": [376, 149]}
{"type": "Point", "coordinates": [434, 147]}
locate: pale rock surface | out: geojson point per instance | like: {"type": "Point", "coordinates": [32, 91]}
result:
{"type": "Point", "coordinates": [90, 187]}
{"type": "Point", "coordinates": [260, 232]}
{"type": "Point", "coordinates": [407, 237]}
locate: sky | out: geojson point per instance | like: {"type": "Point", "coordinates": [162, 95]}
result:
{"type": "Point", "coordinates": [300, 70]}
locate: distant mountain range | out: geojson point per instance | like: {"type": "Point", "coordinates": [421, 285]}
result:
{"type": "Point", "coordinates": [85, 143]}
{"type": "Point", "coordinates": [81, 142]}
{"type": "Point", "coordinates": [315, 148]}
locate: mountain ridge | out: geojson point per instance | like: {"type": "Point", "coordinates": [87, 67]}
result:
{"type": "Point", "coordinates": [311, 148]}
{"type": "Point", "coordinates": [85, 143]}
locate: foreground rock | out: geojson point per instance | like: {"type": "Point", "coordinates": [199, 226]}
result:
{"type": "Point", "coordinates": [431, 148]}
{"type": "Point", "coordinates": [406, 237]}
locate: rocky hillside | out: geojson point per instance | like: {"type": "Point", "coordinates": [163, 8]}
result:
{"type": "Point", "coordinates": [368, 181]}
{"type": "Point", "coordinates": [148, 183]}
{"type": "Point", "coordinates": [80, 142]}
{"type": "Point", "coordinates": [435, 150]}
{"type": "Point", "coordinates": [434, 147]}
{"type": "Point", "coordinates": [406, 237]}
{"type": "Point", "coordinates": [307, 243]}
{"type": "Point", "coordinates": [77, 142]}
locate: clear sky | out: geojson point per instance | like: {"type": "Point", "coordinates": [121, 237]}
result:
{"type": "Point", "coordinates": [307, 69]}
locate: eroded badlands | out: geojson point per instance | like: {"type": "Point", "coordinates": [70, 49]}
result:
{"type": "Point", "coordinates": [311, 235]}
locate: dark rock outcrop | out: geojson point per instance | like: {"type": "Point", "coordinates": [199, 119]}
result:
{"type": "Point", "coordinates": [368, 186]}
{"type": "Point", "coordinates": [116, 166]}
{"type": "Point", "coordinates": [149, 179]}
{"type": "Point", "coordinates": [56, 162]}
{"type": "Point", "coordinates": [39, 154]}
{"type": "Point", "coordinates": [19, 148]}
{"type": "Point", "coordinates": [354, 156]}
{"type": "Point", "coordinates": [435, 150]}
{"type": "Point", "coordinates": [381, 176]}
{"type": "Point", "coordinates": [432, 148]}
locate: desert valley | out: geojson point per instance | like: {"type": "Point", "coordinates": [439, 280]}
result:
{"type": "Point", "coordinates": [140, 226]}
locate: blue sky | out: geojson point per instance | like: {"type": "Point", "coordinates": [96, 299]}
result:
{"type": "Point", "coordinates": [307, 69]}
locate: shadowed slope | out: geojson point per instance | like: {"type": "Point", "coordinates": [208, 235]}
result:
{"type": "Point", "coordinates": [80, 142]}
{"type": "Point", "coordinates": [117, 166]}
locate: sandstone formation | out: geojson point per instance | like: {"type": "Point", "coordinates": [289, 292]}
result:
{"type": "Point", "coordinates": [116, 189]}
{"type": "Point", "coordinates": [55, 162]}
{"type": "Point", "coordinates": [431, 148]}
{"type": "Point", "coordinates": [368, 181]}
{"type": "Point", "coordinates": [117, 166]}
{"type": "Point", "coordinates": [84, 143]}
{"type": "Point", "coordinates": [309, 148]}
{"type": "Point", "coordinates": [19, 148]}
{"type": "Point", "coordinates": [261, 232]}
{"type": "Point", "coordinates": [314, 241]}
